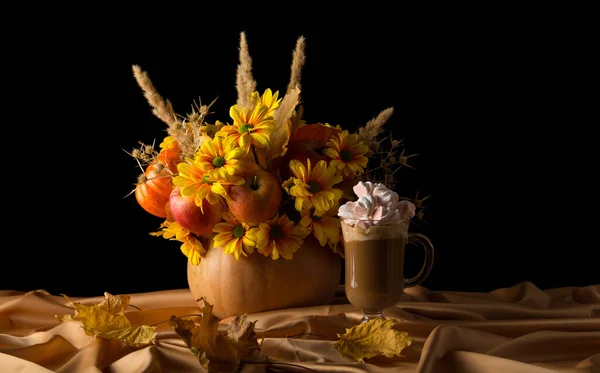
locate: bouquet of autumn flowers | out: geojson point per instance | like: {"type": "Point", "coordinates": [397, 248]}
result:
{"type": "Point", "coordinates": [263, 180]}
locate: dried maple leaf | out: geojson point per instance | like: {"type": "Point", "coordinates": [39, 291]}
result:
{"type": "Point", "coordinates": [218, 352]}
{"type": "Point", "coordinates": [115, 304]}
{"type": "Point", "coordinates": [242, 336]}
{"type": "Point", "coordinates": [373, 338]}
{"type": "Point", "coordinates": [107, 320]}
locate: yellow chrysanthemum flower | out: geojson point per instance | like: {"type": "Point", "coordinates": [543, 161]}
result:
{"type": "Point", "coordinates": [220, 158]}
{"type": "Point", "coordinates": [211, 129]}
{"type": "Point", "coordinates": [268, 99]}
{"type": "Point", "coordinates": [313, 187]}
{"type": "Point", "coordinates": [193, 182]}
{"type": "Point", "coordinates": [232, 236]}
{"type": "Point", "coordinates": [190, 247]}
{"type": "Point", "coordinates": [278, 237]}
{"type": "Point", "coordinates": [325, 228]}
{"type": "Point", "coordinates": [347, 153]}
{"type": "Point", "coordinates": [250, 126]}
{"type": "Point", "coordinates": [169, 142]}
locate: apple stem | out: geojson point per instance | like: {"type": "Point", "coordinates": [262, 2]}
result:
{"type": "Point", "coordinates": [254, 183]}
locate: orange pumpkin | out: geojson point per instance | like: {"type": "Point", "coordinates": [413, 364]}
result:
{"type": "Point", "coordinates": [257, 283]}
{"type": "Point", "coordinates": [153, 193]}
{"type": "Point", "coordinates": [170, 157]}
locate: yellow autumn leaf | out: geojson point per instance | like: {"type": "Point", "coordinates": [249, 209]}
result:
{"type": "Point", "coordinates": [283, 131]}
{"type": "Point", "coordinates": [115, 304]}
{"type": "Point", "coordinates": [218, 352]}
{"type": "Point", "coordinates": [137, 337]}
{"type": "Point", "coordinates": [107, 320]}
{"type": "Point", "coordinates": [373, 338]}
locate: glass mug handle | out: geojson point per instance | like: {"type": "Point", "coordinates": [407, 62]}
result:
{"type": "Point", "coordinates": [425, 243]}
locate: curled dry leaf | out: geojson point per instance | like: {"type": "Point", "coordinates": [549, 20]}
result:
{"type": "Point", "coordinates": [283, 131]}
{"type": "Point", "coordinates": [373, 338]}
{"type": "Point", "coordinates": [241, 333]}
{"type": "Point", "coordinates": [219, 352]}
{"type": "Point", "coordinates": [107, 320]}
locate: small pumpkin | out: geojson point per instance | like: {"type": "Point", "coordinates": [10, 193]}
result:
{"type": "Point", "coordinates": [256, 283]}
{"type": "Point", "coordinates": [152, 193]}
{"type": "Point", "coordinates": [170, 158]}
{"type": "Point", "coordinates": [170, 153]}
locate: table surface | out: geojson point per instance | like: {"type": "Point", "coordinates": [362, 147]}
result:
{"type": "Point", "coordinates": [517, 329]}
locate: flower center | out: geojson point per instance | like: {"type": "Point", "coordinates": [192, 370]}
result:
{"type": "Point", "coordinates": [205, 180]}
{"type": "Point", "coordinates": [313, 187]}
{"type": "Point", "coordinates": [245, 128]}
{"type": "Point", "coordinates": [218, 162]}
{"type": "Point", "coordinates": [346, 156]}
{"type": "Point", "coordinates": [276, 232]}
{"type": "Point", "coordinates": [238, 231]}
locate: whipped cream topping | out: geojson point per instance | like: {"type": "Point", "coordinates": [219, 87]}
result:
{"type": "Point", "coordinates": [376, 205]}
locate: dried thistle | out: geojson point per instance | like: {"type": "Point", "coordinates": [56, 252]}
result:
{"type": "Point", "coordinates": [403, 159]}
{"type": "Point", "coordinates": [419, 201]}
{"type": "Point", "coordinates": [144, 155]}
{"type": "Point", "coordinates": [245, 83]}
{"type": "Point", "coordinates": [191, 131]}
{"type": "Point", "coordinates": [160, 107]}
{"type": "Point", "coordinates": [385, 160]}
{"type": "Point", "coordinates": [420, 208]}
{"type": "Point", "coordinates": [298, 60]}
{"type": "Point", "coordinates": [374, 128]}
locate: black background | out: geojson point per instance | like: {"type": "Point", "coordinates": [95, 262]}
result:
{"type": "Point", "coordinates": [493, 112]}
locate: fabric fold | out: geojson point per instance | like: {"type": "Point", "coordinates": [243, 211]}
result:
{"type": "Point", "coordinates": [516, 329]}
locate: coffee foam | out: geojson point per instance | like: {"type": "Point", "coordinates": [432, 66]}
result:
{"type": "Point", "coordinates": [374, 232]}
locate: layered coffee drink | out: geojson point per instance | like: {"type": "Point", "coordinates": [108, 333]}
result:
{"type": "Point", "coordinates": [375, 233]}
{"type": "Point", "coordinates": [374, 265]}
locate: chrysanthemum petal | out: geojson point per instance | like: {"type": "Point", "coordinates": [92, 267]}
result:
{"type": "Point", "coordinates": [260, 139]}
{"type": "Point", "coordinates": [298, 203]}
{"type": "Point", "coordinates": [298, 169]}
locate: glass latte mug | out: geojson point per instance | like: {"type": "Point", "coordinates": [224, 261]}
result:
{"type": "Point", "coordinates": [374, 265]}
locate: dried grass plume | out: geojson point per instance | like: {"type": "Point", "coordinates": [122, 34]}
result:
{"type": "Point", "coordinates": [369, 132]}
{"type": "Point", "coordinates": [160, 107]}
{"type": "Point", "coordinates": [189, 131]}
{"type": "Point", "coordinates": [245, 83]}
{"type": "Point", "coordinates": [298, 59]}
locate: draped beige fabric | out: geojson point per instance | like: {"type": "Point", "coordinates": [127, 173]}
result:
{"type": "Point", "coordinates": [516, 329]}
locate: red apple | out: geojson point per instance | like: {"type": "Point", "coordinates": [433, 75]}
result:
{"type": "Point", "coordinates": [317, 132]}
{"type": "Point", "coordinates": [189, 216]}
{"type": "Point", "coordinates": [258, 199]}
